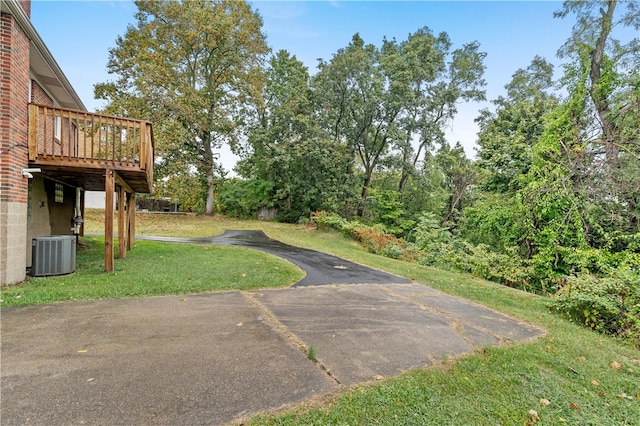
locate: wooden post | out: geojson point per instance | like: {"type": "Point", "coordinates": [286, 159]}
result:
{"type": "Point", "coordinates": [109, 188]}
{"type": "Point", "coordinates": [33, 132]}
{"type": "Point", "coordinates": [131, 215]}
{"type": "Point", "coordinates": [122, 239]}
{"type": "Point", "coordinates": [82, 200]}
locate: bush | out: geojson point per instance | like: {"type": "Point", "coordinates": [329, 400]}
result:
{"type": "Point", "coordinates": [608, 304]}
{"type": "Point", "coordinates": [242, 198]}
{"type": "Point", "coordinates": [393, 251]}
{"type": "Point", "coordinates": [325, 221]}
{"type": "Point", "coordinates": [507, 269]}
{"type": "Point", "coordinates": [374, 238]}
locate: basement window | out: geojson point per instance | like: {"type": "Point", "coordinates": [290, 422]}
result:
{"type": "Point", "coordinates": [59, 193]}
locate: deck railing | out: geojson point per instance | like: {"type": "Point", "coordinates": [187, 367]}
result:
{"type": "Point", "coordinates": [70, 137]}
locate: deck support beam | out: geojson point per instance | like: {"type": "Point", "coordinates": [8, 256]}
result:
{"type": "Point", "coordinates": [131, 220]}
{"type": "Point", "coordinates": [109, 189]}
{"type": "Point", "coordinates": [122, 219]}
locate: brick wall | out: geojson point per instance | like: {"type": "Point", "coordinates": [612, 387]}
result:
{"type": "Point", "coordinates": [26, 6]}
{"type": "Point", "coordinates": [14, 98]}
{"type": "Point", "coordinates": [40, 97]}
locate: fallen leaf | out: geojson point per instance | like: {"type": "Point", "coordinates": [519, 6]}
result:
{"type": "Point", "coordinates": [544, 401]}
{"type": "Point", "coordinates": [601, 393]}
{"type": "Point", "coordinates": [594, 382]}
{"type": "Point", "coordinates": [183, 300]}
{"type": "Point", "coordinates": [575, 406]}
{"type": "Point", "coordinates": [244, 275]}
{"type": "Point", "coordinates": [624, 396]}
{"type": "Point", "coordinates": [581, 358]}
{"type": "Point", "coordinates": [615, 365]}
{"type": "Point", "coordinates": [534, 416]}
{"type": "Point", "coordinates": [562, 419]}
{"type": "Point", "coordinates": [378, 377]}
{"type": "Point", "coordinates": [638, 395]}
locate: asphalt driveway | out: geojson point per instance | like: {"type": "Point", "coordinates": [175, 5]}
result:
{"type": "Point", "coordinates": [218, 357]}
{"type": "Point", "coordinates": [321, 268]}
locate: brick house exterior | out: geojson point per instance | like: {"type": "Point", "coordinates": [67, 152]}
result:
{"type": "Point", "coordinates": [32, 135]}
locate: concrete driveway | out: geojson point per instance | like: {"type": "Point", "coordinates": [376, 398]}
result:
{"type": "Point", "coordinates": [212, 358]}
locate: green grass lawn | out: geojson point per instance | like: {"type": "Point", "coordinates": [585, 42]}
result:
{"type": "Point", "coordinates": [154, 268]}
{"type": "Point", "coordinates": [571, 376]}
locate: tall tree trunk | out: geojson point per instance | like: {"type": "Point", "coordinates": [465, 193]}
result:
{"type": "Point", "coordinates": [208, 157]}
{"type": "Point", "coordinates": [209, 205]}
{"type": "Point", "coordinates": [363, 194]}
{"type": "Point", "coordinates": [405, 159]}
{"type": "Point", "coordinates": [609, 129]}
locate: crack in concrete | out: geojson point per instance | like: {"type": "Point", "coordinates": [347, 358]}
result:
{"type": "Point", "coordinates": [454, 322]}
{"type": "Point", "coordinates": [294, 340]}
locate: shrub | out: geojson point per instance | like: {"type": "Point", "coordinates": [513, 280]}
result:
{"type": "Point", "coordinates": [325, 221]}
{"type": "Point", "coordinates": [481, 261]}
{"type": "Point", "coordinates": [393, 251]}
{"type": "Point", "coordinates": [608, 304]}
{"type": "Point", "coordinates": [374, 238]}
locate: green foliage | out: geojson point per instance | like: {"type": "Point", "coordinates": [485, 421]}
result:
{"type": "Point", "coordinates": [376, 238]}
{"type": "Point", "coordinates": [242, 198]}
{"type": "Point", "coordinates": [428, 232]}
{"type": "Point", "coordinates": [327, 221]}
{"type": "Point", "coordinates": [189, 67]}
{"type": "Point", "coordinates": [609, 304]}
{"type": "Point", "coordinates": [286, 147]}
{"type": "Point", "coordinates": [188, 189]}
{"type": "Point", "coordinates": [385, 208]}
{"type": "Point", "coordinates": [377, 101]}
{"type": "Point", "coordinates": [311, 353]}
{"type": "Point", "coordinates": [438, 247]}
{"type": "Point", "coordinates": [497, 221]}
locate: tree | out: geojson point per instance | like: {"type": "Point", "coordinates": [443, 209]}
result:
{"type": "Point", "coordinates": [507, 136]}
{"type": "Point", "coordinates": [379, 101]}
{"type": "Point", "coordinates": [189, 66]}
{"type": "Point", "coordinates": [357, 110]}
{"type": "Point", "coordinates": [600, 48]}
{"type": "Point", "coordinates": [287, 148]}
{"type": "Point", "coordinates": [436, 81]}
{"type": "Point", "coordinates": [458, 178]}
{"type": "Point", "coordinates": [592, 36]}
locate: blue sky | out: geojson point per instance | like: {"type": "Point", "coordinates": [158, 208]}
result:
{"type": "Point", "coordinates": [80, 33]}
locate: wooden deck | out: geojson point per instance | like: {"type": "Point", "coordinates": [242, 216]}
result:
{"type": "Point", "coordinates": [96, 153]}
{"type": "Point", "coordinates": [76, 147]}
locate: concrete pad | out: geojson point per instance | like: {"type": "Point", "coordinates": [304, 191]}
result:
{"type": "Point", "coordinates": [197, 359]}
{"type": "Point", "coordinates": [362, 331]}
{"type": "Point", "coordinates": [472, 315]}
{"type": "Point", "coordinates": [210, 358]}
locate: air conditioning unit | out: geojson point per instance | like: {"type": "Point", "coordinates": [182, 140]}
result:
{"type": "Point", "coordinates": [53, 255]}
